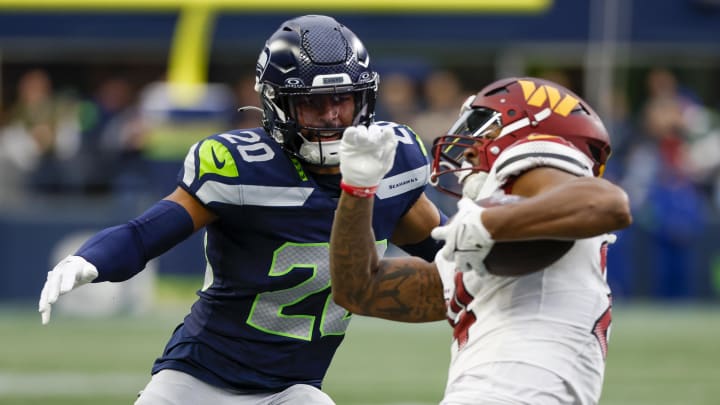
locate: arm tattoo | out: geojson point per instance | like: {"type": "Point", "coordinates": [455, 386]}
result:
{"type": "Point", "coordinates": [406, 290]}
{"type": "Point", "coordinates": [403, 289]}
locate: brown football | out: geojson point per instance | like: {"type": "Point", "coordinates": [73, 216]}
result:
{"type": "Point", "coordinates": [518, 258]}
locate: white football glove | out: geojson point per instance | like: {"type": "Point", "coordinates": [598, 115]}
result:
{"type": "Point", "coordinates": [467, 242]}
{"type": "Point", "coordinates": [70, 273]}
{"type": "Point", "coordinates": [367, 154]}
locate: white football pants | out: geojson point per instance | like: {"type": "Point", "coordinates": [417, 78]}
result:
{"type": "Point", "coordinates": [171, 387]}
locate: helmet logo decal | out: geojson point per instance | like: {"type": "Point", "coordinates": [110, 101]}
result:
{"type": "Point", "coordinates": [294, 82]}
{"type": "Point", "coordinates": [262, 63]}
{"type": "Point", "coordinates": [364, 77]}
{"type": "Point", "coordinates": [537, 96]}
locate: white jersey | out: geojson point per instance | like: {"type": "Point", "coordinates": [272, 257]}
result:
{"type": "Point", "coordinates": [558, 318]}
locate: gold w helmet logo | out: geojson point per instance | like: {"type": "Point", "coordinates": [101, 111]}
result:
{"type": "Point", "coordinates": [538, 96]}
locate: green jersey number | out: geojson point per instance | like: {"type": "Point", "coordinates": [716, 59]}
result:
{"type": "Point", "coordinates": [267, 313]}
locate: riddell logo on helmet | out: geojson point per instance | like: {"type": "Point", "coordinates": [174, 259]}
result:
{"type": "Point", "coordinates": [538, 96]}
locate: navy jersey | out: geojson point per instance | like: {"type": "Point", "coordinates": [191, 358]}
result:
{"type": "Point", "coordinates": [265, 318]}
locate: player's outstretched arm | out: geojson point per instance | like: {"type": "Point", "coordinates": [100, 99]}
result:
{"type": "Point", "coordinates": [404, 289]}
{"type": "Point", "coordinates": [120, 252]}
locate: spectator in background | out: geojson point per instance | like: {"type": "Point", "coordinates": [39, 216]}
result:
{"type": "Point", "coordinates": [34, 115]}
{"type": "Point", "coordinates": [123, 130]}
{"type": "Point", "coordinates": [662, 83]}
{"type": "Point", "coordinates": [620, 258]}
{"type": "Point", "coordinates": [113, 97]}
{"type": "Point", "coordinates": [27, 130]}
{"type": "Point", "coordinates": [704, 150]}
{"type": "Point", "coordinates": [700, 127]}
{"type": "Point", "coordinates": [245, 95]}
{"type": "Point", "coordinates": [558, 76]}
{"type": "Point", "coordinates": [669, 206]}
{"type": "Point", "coordinates": [108, 130]}
{"type": "Point", "coordinates": [398, 99]}
{"type": "Point", "coordinates": [38, 130]}
{"type": "Point", "coordinates": [442, 92]}
{"type": "Point", "coordinates": [621, 128]}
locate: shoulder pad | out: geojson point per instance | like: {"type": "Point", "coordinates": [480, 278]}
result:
{"type": "Point", "coordinates": [243, 167]}
{"type": "Point", "coordinates": [411, 170]}
{"type": "Point", "coordinates": [541, 151]}
{"type": "Point", "coordinates": [405, 134]}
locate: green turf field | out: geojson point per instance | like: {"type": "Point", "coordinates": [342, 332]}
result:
{"type": "Point", "coordinates": [658, 355]}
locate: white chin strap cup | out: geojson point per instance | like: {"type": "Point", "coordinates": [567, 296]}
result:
{"type": "Point", "coordinates": [327, 155]}
{"type": "Point", "coordinates": [472, 184]}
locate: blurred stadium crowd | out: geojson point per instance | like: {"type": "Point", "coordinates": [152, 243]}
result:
{"type": "Point", "coordinates": [58, 141]}
{"type": "Point", "coordinates": [88, 136]}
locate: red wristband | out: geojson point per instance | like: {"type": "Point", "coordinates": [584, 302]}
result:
{"type": "Point", "coordinates": [362, 192]}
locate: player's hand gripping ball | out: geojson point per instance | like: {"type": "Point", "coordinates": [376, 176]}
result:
{"type": "Point", "coordinates": [467, 242]}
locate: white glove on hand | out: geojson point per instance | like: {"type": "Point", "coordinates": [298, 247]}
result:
{"type": "Point", "coordinates": [467, 242]}
{"type": "Point", "coordinates": [367, 154]}
{"type": "Point", "coordinates": [71, 272]}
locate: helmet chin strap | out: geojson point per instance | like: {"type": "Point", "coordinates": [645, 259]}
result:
{"type": "Point", "coordinates": [320, 153]}
{"type": "Point", "coordinates": [465, 172]}
{"type": "Point", "coordinates": [472, 184]}
{"type": "Point", "coordinates": [250, 108]}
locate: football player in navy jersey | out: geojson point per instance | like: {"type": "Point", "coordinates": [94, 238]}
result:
{"type": "Point", "coordinates": [265, 328]}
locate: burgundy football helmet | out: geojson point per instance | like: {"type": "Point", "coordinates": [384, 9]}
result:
{"type": "Point", "coordinates": [510, 110]}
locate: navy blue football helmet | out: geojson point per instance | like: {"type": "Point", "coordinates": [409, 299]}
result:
{"type": "Point", "coordinates": [308, 55]}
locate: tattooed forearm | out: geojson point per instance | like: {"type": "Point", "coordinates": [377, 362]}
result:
{"type": "Point", "coordinates": [406, 289]}
{"type": "Point", "coordinates": [352, 250]}
{"type": "Point", "coordinates": [402, 289]}
{"type": "Point", "coordinates": [352, 246]}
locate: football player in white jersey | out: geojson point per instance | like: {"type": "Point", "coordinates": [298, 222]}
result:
{"type": "Point", "coordinates": [538, 337]}
{"type": "Point", "coordinates": [264, 328]}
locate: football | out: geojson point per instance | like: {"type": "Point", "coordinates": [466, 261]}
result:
{"type": "Point", "coordinates": [518, 258]}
